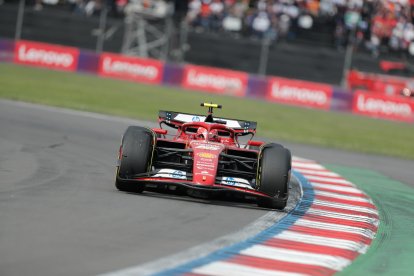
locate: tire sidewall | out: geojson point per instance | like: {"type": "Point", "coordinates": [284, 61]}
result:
{"type": "Point", "coordinates": [274, 174]}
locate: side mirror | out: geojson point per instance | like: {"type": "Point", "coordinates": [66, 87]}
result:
{"type": "Point", "coordinates": [255, 143]}
{"type": "Point", "coordinates": [160, 131]}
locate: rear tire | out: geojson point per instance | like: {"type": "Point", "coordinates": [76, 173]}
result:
{"type": "Point", "coordinates": [135, 157]}
{"type": "Point", "coordinates": [274, 174]}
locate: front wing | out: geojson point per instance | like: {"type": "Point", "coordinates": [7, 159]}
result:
{"type": "Point", "coordinates": [189, 186]}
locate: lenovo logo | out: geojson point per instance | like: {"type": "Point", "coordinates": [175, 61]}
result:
{"type": "Point", "coordinates": [383, 106]}
{"type": "Point", "coordinates": [299, 94]}
{"type": "Point", "coordinates": [214, 81]}
{"type": "Point", "coordinates": [130, 68]}
{"type": "Point", "coordinates": [46, 55]}
{"type": "Point", "coordinates": [302, 93]}
{"type": "Point", "coordinates": [122, 67]}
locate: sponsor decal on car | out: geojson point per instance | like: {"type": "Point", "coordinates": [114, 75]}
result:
{"type": "Point", "coordinates": [195, 119]}
{"type": "Point", "coordinates": [229, 181]}
{"type": "Point", "coordinates": [382, 106]}
{"type": "Point", "coordinates": [202, 166]}
{"type": "Point", "coordinates": [205, 173]}
{"type": "Point", "coordinates": [170, 173]}
{"type": "Point", "coordinates": [132, 68]}
{"type": "Point", "coordinates": [206, 146]}
{"type": "Point", "coordinates": [236, 182]}
{"type": "Point", "coordinates": [207, 155]}
{"type": "Point", "coordinates": [215, 80]}
{"type": "Point", "coordinates": [46, 55]}
{"type": "Point", "coordinates": [187, 118]}
{"type": "Point", "coordinates": [179, 174]}
{"type": "Point", "coordinates": [301, 93]}
{"type": "Point", "coordinates": [205, 164]}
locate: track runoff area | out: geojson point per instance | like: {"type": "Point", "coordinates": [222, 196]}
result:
{"type": "Point", "coordinates": [333, 223]}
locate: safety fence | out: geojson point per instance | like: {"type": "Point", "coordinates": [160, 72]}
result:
{"type": "Point", "coordinates": [208, 79]}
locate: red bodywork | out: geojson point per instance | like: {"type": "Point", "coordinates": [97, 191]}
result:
{"type": "Point", "coordinates": [203, 157]}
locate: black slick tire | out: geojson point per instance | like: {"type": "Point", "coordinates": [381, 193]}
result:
{"type": "Point", "coordinates": [135, 157]}
{"type": "Point", "coordinates": [273, 176]}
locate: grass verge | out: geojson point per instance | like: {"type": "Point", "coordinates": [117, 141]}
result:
{"type": "Point", "coordinates": [91, 93]}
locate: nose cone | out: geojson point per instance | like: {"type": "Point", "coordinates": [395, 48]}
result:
{"type": "Point", "coordinates": [206, 156]}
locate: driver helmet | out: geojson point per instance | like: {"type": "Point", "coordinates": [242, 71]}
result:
{"type": "Point", "coordinates": [213, 136]}
{"type": "Point", "coordinates": [201, 133]}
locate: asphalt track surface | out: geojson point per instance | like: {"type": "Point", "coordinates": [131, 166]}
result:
{"type": "Point", "coordinates": [61, 215]}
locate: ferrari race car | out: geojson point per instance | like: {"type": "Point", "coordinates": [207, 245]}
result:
{"type": "Point", "coordinates": [203, 157]}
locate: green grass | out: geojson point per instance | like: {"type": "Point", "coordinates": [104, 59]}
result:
{"type": "Point", "coordinates": [91, 93]}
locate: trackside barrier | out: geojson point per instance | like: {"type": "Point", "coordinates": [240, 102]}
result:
{"type": "Point", "coordinates": [46, 55]}
{"type": "Point", "coordinates": [301, 93]}
{"type": "Point", "coordinates": [202, 78]}
{"type": "Point", "coordinates": [130, 68]}
{"type": "Point", "coordinates": [6, 50]}
{"type": "Point", "coordinates": [382, 106]}
{"type": "Point", "coordinates": [213, 80]}
{"type": "Point", "coordinates": [378, 83]}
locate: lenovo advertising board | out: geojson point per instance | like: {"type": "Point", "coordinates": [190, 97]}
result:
{"type": "Point", "coordinates": [301, 93]}
{"type": "Point", "coordinates": [46, 55]}
{"type": "Point", "coordinates": [215, 80]}
{"type": "Point", "coordinates": [382, 106]}
{"type": "Point", "coordinates": [130, 68]}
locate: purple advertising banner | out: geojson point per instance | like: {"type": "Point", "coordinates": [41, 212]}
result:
{"type": "Point", "coordinates": [88, 62]}
{"type": "Point", "coordinates": [173, 74]}
{"type": "Point", "coordinates": [6, 50]}
{"type": "Point", "coordinates": [341, 99]}
{"type": "Point", "coordinates": [257, 87]}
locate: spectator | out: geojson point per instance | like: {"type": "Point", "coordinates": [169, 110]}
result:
{"type": "Point", "coordinates": [260, 24]}
{"type": "Point", "coordinates": [217, 14]}
{"type": "Point", "coordinates": [93, 7]}
{"type": "Point", "coordinates": [194, 8]}
{"type": "Point", "coordinates": [233, 19]}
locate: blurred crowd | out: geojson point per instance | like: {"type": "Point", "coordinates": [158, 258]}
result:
{"type": "Point", "coordinates": [373, 25]}
{"type": "Point", "coordinates": [88, 7]}
{"type": "Point", "coordinates": [376, 25]}
{"type": "Point", "coordinates": [84, 7]}
{"type": "Point", "coordinates": [370, 24]}
{"type": "Point", "coordinates": [262, 18]}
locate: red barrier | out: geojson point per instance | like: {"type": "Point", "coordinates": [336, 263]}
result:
{"type": "Point", "coordinates": [215, 80]}
{"type": "Point", "coordinates": [221, 81]}
{"type": "Point", "coordinates": [46, 55]}
{"type": "Point", "coordinates": [387, 65]}
{"type": "Point", "coordinates": [130, 68]}
{"type": "Point", "coordinates": [302, 93]}
{"type": "Point", "coordinates": [382, 106]}
{"type": "Point", "coordinates": [378, 83]}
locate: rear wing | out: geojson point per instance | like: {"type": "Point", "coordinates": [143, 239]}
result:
{"type": "Point", "coordinates": [176, 119]}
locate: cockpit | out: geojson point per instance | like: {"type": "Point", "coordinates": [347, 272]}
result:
{"type": "Point", "coordinates": [208, 132]}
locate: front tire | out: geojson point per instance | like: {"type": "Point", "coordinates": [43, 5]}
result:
{"type": "Point", "coordinates": [274, 174]}
{"type": "Point", "coordinates": [135, 157]}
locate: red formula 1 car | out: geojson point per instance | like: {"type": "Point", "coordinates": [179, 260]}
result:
{"type": "Point", "coordinates": [204, 157]}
